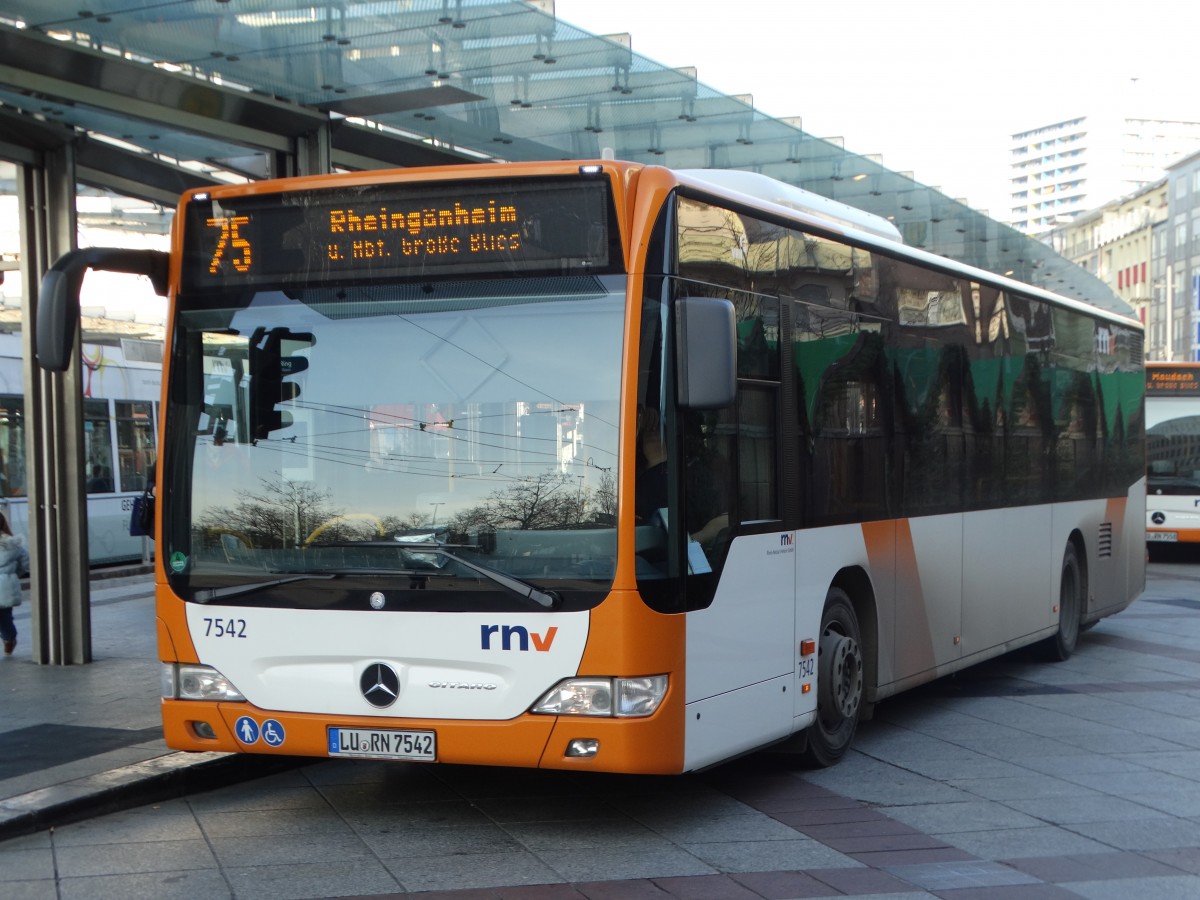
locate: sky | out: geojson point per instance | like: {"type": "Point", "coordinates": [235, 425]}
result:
{"type": "Point", "coordinates": [936, 87]}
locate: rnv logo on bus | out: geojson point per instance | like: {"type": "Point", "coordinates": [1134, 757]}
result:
{"type": "Point", "coordinates": [518, 634]}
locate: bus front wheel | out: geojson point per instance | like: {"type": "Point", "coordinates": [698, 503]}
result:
{"type": "Point", "coordinates": [840, 686]}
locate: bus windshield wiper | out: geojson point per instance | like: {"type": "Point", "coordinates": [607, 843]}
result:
{"type": "Point", "coordinates": [523, 589]}
{"type": "Point", "coordinates": [208, 595]}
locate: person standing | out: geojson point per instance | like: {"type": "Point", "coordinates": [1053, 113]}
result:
{"type": "Point", "coordinates": [14, 559]}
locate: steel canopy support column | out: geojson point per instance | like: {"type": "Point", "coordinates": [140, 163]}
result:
{"type": "Point", "coordinates": [314, 152]}
{"type": "Point", "coordinates": [58, 548]}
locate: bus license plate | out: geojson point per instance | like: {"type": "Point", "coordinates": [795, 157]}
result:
{"type": "Point", "coordinates": [377, 743]}
{"type": "Point", "coordinates": [1169, 537]}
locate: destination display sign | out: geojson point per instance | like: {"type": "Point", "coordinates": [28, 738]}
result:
{"type": "Point", "coordinates": [1173, 381]}
{"type": "Point", "coordinates": [400, 231]}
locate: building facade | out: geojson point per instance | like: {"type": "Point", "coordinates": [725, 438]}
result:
{"type": "Point", "coordinates": [1181, 240]}
{"type": "Point", "coordinates": [1063, 169]}
{"type": "Point", "coordinates": [1122, 243]}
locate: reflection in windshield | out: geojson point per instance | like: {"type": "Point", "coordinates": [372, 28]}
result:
{"type": "Point", "coordinates": [1173, 456]}
{"type": "Point", "coordinates": [324, 432]}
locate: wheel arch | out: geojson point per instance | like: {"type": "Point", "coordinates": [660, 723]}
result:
{"type": "Point", "coordinates": [1075, 538]}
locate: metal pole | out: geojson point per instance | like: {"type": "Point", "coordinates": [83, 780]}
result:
{"type": "Point", "coordinates": [58, 549]}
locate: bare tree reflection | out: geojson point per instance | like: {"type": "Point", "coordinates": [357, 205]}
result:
{"type": "Point", "coordinates": [540, 501]}
{"type": "Point", "coordinates": [286, 514]}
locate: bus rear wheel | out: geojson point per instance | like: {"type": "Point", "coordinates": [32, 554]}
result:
{"type": "Point", "coordinates": [1070, 609]}
{"type": "Point", "coordinates": [840, 683]}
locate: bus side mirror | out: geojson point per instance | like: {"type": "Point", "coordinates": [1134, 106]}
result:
{"type": "Point", "coordinates": [705, 353]}
{"type": "Point", "coordinates": [56, 318]}
{"type": "Point", "coordinates": [58, 299]}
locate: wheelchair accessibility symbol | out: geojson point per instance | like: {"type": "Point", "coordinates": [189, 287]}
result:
{"type": "Point", "coordinates": [273, 734]}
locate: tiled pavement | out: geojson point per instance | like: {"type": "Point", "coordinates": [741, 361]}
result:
{"type": "Point", "coordinates": [1015, 780]}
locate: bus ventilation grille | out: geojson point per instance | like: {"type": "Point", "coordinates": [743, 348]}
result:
{"type": "Point", "coordinates": [1137, 349]}
{"type": "Point", "coordinates": [1104, 541]}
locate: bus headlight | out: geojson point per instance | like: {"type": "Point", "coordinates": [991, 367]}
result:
{"type": "Point", "coordinates": [619, 697]}
{"type": "Point", "coordinates": [184, 681]}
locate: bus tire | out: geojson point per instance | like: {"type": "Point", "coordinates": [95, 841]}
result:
{"type": "Point", "coordinates": [1070, 609]}
{"type": "Point", "coordinates": [840, 683]}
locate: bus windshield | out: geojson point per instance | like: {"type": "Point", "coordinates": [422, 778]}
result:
{"type": "Point", "coordinates": [1173, 446]}
{"type": "Point", "coordinates": [451, 443]}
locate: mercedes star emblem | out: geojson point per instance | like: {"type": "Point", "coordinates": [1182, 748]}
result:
{"type": "Point", "coordinates": [380, 685]}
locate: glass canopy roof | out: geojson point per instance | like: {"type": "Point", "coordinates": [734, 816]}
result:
{"type": "Point", "coordinates": [489, 79]}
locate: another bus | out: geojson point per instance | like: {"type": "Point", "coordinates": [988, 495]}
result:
{"type": "Point", "coordinates": [607, 467]}
{"type": "Point", "coordinates": [121, 388]}
{"type": "Point", "coordinates": [1172, 453]}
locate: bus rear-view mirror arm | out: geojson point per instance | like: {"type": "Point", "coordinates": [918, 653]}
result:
{"type": "Point", "coordinates": [58, 300]}
{"type": "Point", "coordinates": [705, 352]}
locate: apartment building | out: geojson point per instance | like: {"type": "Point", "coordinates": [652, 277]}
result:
{"type": "Point", "coordinates": [1066, 168]}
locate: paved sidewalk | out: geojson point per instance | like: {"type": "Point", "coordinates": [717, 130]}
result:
{"type": "Point", "coordinates": [76, 741]}
{"type": "Point", "coordinates": [1016, 780]}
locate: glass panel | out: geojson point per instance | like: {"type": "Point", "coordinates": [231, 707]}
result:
{"type": "Point", "coordinates": [757, 484]}
{"type": "Point", "coordinates": [1173, 456]}
{"type": "Point", "coordinates": [135, 444]}
{"type": "Point", "coordinates": [758, 337]}
{"type": "Point", "coordinates": [97, 446]}
{"type": "Point", "coordinates": [12, 446]}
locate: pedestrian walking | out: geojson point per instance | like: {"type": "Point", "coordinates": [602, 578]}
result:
{"type": "Point", "coordinates": [14, 560]}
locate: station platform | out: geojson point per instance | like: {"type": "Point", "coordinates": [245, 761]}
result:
{"type": "Point", "coordinates": [79, 740]}
{"type": "Point", "coordinates": [1016, 779]}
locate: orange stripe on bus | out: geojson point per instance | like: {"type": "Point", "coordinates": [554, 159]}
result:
{"type": "Point", "coordinates": [897, 581]}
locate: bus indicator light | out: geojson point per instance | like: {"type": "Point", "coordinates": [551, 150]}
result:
{"type": "Point", "coordinates": [808, 647]}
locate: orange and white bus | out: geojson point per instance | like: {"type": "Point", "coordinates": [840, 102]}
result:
{"type": "Point", "coordinates": [1172, 453]}
{"type": "Point", "coordinates": [601, 466]}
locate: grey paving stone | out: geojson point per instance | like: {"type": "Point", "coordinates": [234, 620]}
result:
{"type": "Point", "coordinates": [746, 827]}
{"type": "Point", "coordinates": [1026, 786]}
{"type": "Point", "coordinates": [768, 856]}
{"type": "Point", "coordinates": [38, 841]}
{"type": "Point", "coordinates": [29, 864]}
{"type": "Point", "coordinates": [271, 821]}
{"type": "Point", "coordinates": [544, 809]}
{"type": "Point", "coordinates": [1089, 808]}
{"type": "Point", "coordinates": [259, 796]}
{"type": "Point", "coordinates": [301, 882]}
{"type": "Point", "coordinates": [449, 814]}
{"type": "Point", "coordinates": [1012, 843]}
{"type": "Point", "coordinates": [1077, 761]}
{"type": "Point", "coordinates": [208, 884]}
{"type": "Point", "coordinates": [605, 864]}
{"type": "Point", "coordinates": [973, 815]}
{"type": "Point", "coordinates": [1163, 833]}
{"type": "Point", "coordinates": [1186, 887]}
{"type": "Point", "coordinates": [132, 858]}
{"type": "Point", "coordinates": [278, 849]}
{"type": "Point", "coordinates": [458, 871]}
{"type": "Point", "coordinates": [699, 802]}
{"type": "Point", "coordinates": [458, 840]}
{"type": "Point", "coordinates": [130, 826]}
{"type": "Point", "coordinates": [882, 784]}
{"type": "Point", "coordinates": [44, 889]}
{"type": "Point", "coordinates": [385, 794]}
{"type": "Point", "coordinates": [950, 769]}
{"type": "Point", "coordinates": [539, 836]}
{"type": "Point", "coordinates": [950, 876]}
